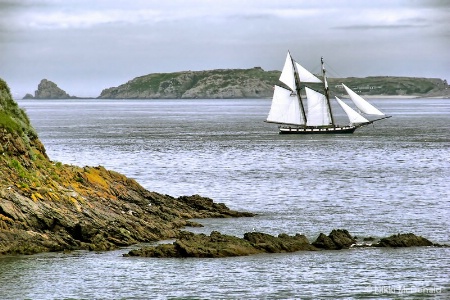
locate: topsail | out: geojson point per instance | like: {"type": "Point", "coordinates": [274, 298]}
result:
{"type": "Point", "coordinates": [288, 74]}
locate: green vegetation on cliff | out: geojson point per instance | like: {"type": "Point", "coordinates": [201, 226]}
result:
{"type": "Point", "coordinates": [388, 85]}
{"type": "Point", "coordinates": [223, 83]}
{"type": "Point", "coordinates": [257, 83]}
{"type": "Point", "coordinates": [12, 118]}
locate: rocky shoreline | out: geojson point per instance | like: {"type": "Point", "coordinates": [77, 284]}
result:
{"type": "Point", "coordinates": [218, 245]}
{"type": "Point", "coordinates": [49, 206]}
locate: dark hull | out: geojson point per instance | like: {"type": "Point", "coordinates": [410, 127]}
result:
{"type": "Point", "coordinates": [314, 130]}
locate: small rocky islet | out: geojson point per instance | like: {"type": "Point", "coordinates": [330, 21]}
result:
{"type": "Point", "coordinates": [48, 90]}
{"type": "Point", "coordinates": [49, 206]}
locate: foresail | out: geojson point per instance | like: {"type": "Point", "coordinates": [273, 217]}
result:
{"type": "Point", "coordinates": [318, 114]}
{"type": "Point", "coordinates": [305, 75]}
{"type": "Point", "coordinates": [362, 104]}
{"type": "Point", "coordinates": [353, 116]}
{"type": "Point", "coordinates": [285, 108]}
{"type": "Point", "coordinates": [287, 75]}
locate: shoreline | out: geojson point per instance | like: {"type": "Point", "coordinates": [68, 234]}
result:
{"type": "Point", "coordinates": [381, 97]}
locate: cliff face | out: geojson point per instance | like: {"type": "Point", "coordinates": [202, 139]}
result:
{"type": "Point", "coordinates": [48, 206]}
{"type": "Point", "coordinates": [257, 83]}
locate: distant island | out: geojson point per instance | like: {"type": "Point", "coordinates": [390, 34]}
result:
{"type": "Point", "coordinates": [48, 90]}
{"type": "Point", "coordinates": [247, 83]}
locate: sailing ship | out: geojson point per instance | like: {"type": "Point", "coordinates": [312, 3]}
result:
{"type": "Point", "coordinates": [293, 116]}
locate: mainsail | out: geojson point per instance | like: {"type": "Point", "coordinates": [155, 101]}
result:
{"type": "Point", "coordinates": [362, 104]}
{"type": "Point", "coordinates": [285, 108]}
{"type": "Point", "coordinates": [317, 109]}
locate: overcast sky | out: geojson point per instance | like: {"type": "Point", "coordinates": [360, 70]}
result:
{"type": "Point", "coordinates": [85, 46]}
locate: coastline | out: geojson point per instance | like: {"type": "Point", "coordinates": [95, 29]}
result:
{"type": "Point", "coordinates": [380, 97]}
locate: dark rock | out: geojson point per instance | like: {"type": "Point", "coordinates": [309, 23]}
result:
{"type": "Point", "coordinates": [282, 243]}
{"type": "Point", "coordinates": [221, 245]}
{"type": "Point", "coordinates": [28, 96]}
{"type": "Point", "coordinates": [337, 239]}
{"type": "Point", "coordinates": [199, 245]}
{"type": "Point", "coordinates": [342, 238]}
{"type": "Point", "coordinates": [324, 242]}
{"type": "Point", "coordinates": [404, 240]}
{"type": "Point", "coordinates": [49, 90]}
{"type": "Point", "coordinates": [206, 205]}
{"type": "Point", "coordinates": [191, 223]}
{"type": "Point", "coordinates": [216, 244]}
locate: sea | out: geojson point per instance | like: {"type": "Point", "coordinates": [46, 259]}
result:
{"type": "Point", "coordinates": [389, 177]}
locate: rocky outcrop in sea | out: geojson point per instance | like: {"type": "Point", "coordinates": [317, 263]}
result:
{"type": "Point", "coordinates": [216, 244]}
{"type": "Point", "coordinates": [48, 90]}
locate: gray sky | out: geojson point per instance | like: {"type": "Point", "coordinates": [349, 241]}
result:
{"type": "Point", "coordinates": [85, 46]}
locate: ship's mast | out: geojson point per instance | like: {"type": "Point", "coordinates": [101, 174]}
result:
{"type": "Point", "coordinates": [327, 91]}
{"type": "Point", "coordinates": [297, 87]}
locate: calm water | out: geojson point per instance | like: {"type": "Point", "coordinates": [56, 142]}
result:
{"type": "Point", "coordinates": [384, 179]}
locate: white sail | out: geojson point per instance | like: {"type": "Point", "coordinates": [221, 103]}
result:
{"type": "Point", "coordinates": [287, 75]}
{"type": "Point", "coordinates": [353, 116]}
{"type": "Point", "coordinates": [318, 114]}
{"type": "Point", "coordinates": [285, 108]}
{"type": "Point", "coordinates": [305, 75]}
{"type": "Point", "coordinates": [362, 104]}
